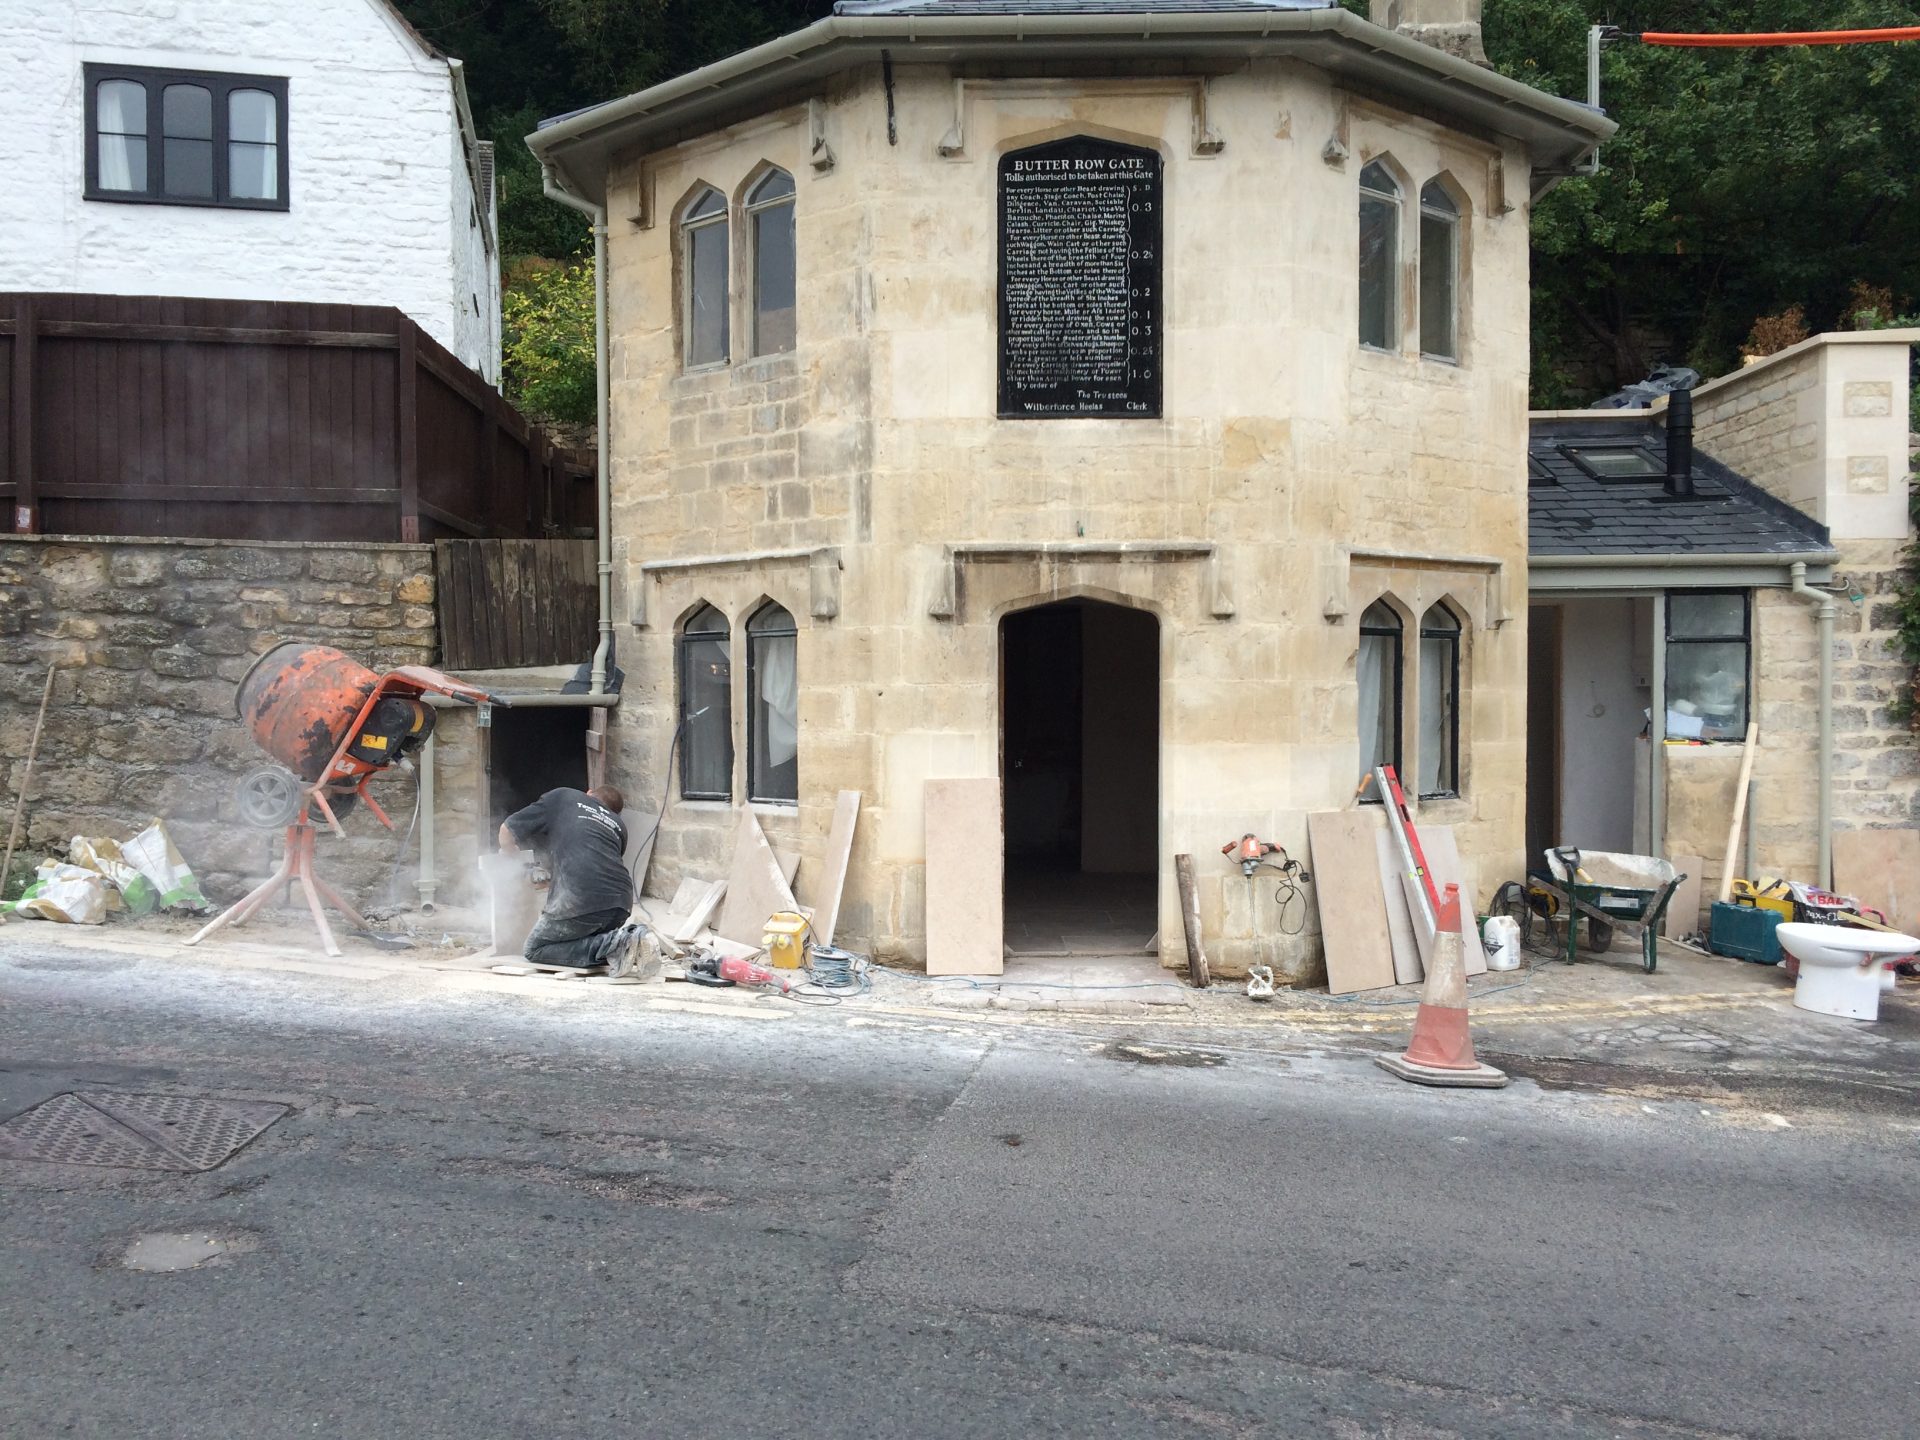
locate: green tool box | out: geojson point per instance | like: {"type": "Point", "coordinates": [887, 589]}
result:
{"type": "Point", "coordinates": [1745, 932]}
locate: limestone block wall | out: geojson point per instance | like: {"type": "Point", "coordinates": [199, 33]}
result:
{"type": "Point", "coordinates": [1322, 476]}
{"type": "Point", "coordinates": [1821, 425]}
{"type": "Point", "coordinates": [151, 637]}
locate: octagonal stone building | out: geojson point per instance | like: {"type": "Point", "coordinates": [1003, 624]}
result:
{"type": "Point", "coordinates": [1124, 402]}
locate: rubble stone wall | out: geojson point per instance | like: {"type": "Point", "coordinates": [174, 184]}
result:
{"type": "Point", "coordinates": [150, 638]}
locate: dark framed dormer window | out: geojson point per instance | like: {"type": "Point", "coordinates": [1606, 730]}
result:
{"type": "Point", "coordinates": [186, 137]}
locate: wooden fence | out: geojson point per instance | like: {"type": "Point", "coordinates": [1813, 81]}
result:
{"type": "Point", "coordinates": [245, 420]}
{"type": "Point", "coordinates": [515, 602]}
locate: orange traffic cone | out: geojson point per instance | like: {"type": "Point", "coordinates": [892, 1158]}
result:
{"type": "Point", "coordinates": [1441, 1051]}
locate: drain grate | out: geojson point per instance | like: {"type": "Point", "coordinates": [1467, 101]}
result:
{"type": "Point", "coordinates": [138, 1132]}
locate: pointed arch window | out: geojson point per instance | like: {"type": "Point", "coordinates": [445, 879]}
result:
{"type": "Point", "coordinates": [770, 231]}
{"type": "Point", "coordinates": [1439, 273]}
{"type": "Point", "coordinates": [1378, 667]}
{"type": "Point", "coordinates": [1439, 702]}
{"type": "Point", "coordinates": [704, 264]}
{"type": "Point", "coordinates": [706, 707]}
{"type": "Point", "coordinates": [1379, 258]}
{"type": "Point", "coordinates": [773, 707]}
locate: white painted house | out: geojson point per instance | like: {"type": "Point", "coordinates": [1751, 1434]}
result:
{"type": "Point", "coordinates": [317, 151]}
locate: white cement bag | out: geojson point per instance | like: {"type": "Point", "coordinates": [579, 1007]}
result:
{"type": "Point", "coordinates": [1500, 936]}
{"type": "Point", "coordinates": [151, 852]}
{"type": "Point", "coordinates": [65, 893]}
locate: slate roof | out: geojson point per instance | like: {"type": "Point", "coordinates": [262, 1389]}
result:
{"type": "Point", "coordinates": [1569, 512]}
{"type": "Point", "coordinates": [1069, 7]}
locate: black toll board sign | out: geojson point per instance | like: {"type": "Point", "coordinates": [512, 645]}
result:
{"type": "Point", "coordinates": [1080, 289]}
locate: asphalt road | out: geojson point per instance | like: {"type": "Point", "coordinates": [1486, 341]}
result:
{"type": "Point", "coordinates": [496, 1216]}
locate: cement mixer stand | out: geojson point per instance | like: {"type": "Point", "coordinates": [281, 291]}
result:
{"type": "Point", "coordinates": [296, 863]}
{"type": "Point", "coordinates": [333, 724]}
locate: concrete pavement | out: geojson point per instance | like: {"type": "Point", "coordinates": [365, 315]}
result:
{"type": "Point", "coordinates": [502, 1209]}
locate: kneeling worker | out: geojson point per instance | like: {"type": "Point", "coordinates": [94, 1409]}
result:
{"type": "Point", "coordinates": [580, 838]}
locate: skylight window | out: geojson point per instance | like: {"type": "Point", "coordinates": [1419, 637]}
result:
{"type": "Point", "coordinates": [1616, 462]}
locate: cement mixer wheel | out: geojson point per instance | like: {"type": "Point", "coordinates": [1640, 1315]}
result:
{"type": "Point", "coordinates": [268, 798]}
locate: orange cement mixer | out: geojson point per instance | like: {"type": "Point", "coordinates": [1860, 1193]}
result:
{"type": "Point", "coordinates": [334, 724]}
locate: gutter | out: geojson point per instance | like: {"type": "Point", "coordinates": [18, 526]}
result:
{"type": "Point", "coordinates": [1793, 559]}
{"type": "Point", "coordinates": [1824, 613]}
{"type": "Point", "coordinates": [1334, 39]}
{"type": "Point", "coordinates": [555, 189]}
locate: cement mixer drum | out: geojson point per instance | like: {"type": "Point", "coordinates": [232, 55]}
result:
{"type": "Point", "coordinates": [299, 702]}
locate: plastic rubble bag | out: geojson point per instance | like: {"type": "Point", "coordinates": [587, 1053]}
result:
{"type": "Point", "coordinates": [129, 884]}
{"type": "Point", "coordinates": [67, 893]}
{"type": "Point", "coordinates": [152, 853]}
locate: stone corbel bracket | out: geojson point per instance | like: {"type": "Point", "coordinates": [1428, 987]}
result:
{"type": "Point", "coordinates": [823, 577]}
{"type": "Point", "coordinates": [946, 591]}
{"type": "Point", "coordinates": [953, 144]}
{"type": "Point", "coordinates": [1337, 578]}
{"type": "Point", "coordinates": [819, 153]}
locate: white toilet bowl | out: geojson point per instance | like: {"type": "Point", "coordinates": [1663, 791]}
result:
{"type": "Point", "coordinates": [1843, 970]}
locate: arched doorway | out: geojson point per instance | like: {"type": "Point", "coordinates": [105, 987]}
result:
{"type": "Point", "coordinates": [1080, 770]}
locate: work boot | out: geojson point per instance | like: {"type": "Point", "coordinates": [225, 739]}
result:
{"type": "Point", "coordinates": [623, 958]}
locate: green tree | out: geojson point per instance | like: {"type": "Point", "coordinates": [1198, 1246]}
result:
{"type": "Point", "coordinates": [1742, 181]}
{"type": "Point", "coordinates": [546, 339]}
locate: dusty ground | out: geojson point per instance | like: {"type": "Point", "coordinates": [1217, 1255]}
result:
{"type": "Point", "coordinates": [1720, 1032]}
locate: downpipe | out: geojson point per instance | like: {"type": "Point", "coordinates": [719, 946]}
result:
{"type": "Point", "coordinates": [552, 187]}
{"type": "Point", "coordinates": [1824, 615]}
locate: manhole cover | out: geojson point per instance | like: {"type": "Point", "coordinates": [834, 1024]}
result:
{"type": "Point", "coordinates": [140, 1132]}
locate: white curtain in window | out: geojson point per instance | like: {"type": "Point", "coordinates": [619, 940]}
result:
{"type": "Point", "coordinates": [1376, 685]}
{"type": "Point", "coordinates": [121, 121]}
{"type": "Point", "coordinates": [1436, 716]}
{"type": "Point", "coordinates": [780, 693]}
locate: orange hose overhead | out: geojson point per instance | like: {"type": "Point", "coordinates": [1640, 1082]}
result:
{"type": "Point", "coordinates": [1789, 37]}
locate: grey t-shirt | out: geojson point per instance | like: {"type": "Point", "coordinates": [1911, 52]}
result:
{"type": "Point", "coordinates": [582, 842]}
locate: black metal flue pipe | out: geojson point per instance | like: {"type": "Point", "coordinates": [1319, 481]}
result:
{"type": "Point", "coordinates": [1680, 444]}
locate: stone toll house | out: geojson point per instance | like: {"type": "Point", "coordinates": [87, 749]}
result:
{"type": "Point", "coordinates": [851, 553]}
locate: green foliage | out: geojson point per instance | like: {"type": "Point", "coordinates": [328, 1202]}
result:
{"type": "Point", "coordinates": [546, 313]}
{"type": "Point", "coordinates": [1907, 611]}
{"type": "Point", "coordinates": [531, 59]}
{"type": "Point", "coordinates": [1742, 181]}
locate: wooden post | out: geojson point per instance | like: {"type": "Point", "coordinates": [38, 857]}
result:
{"type": "Point", "coordinates": [1739, 811]}
{"type": "Point", "coordinates": [1190, 918]}
{"type": "Point", "coordinates": [25, 519]}
{"type": "Point", "coordinates": [406, 419]}
{"type": "Point", "coordinates": [26, 778]}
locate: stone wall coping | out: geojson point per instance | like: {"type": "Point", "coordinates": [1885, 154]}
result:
{"type": "Point", "coordinates": [200, 543]}
{"type": "Point", "coordinates": [1909, 336]}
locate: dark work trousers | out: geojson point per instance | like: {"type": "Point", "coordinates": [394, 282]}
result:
{"type": "Point", "coordinates": [578, 941]}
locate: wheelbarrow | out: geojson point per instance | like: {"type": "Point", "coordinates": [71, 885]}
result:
{"type": "Point", "coordinates": [1610, 891]}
